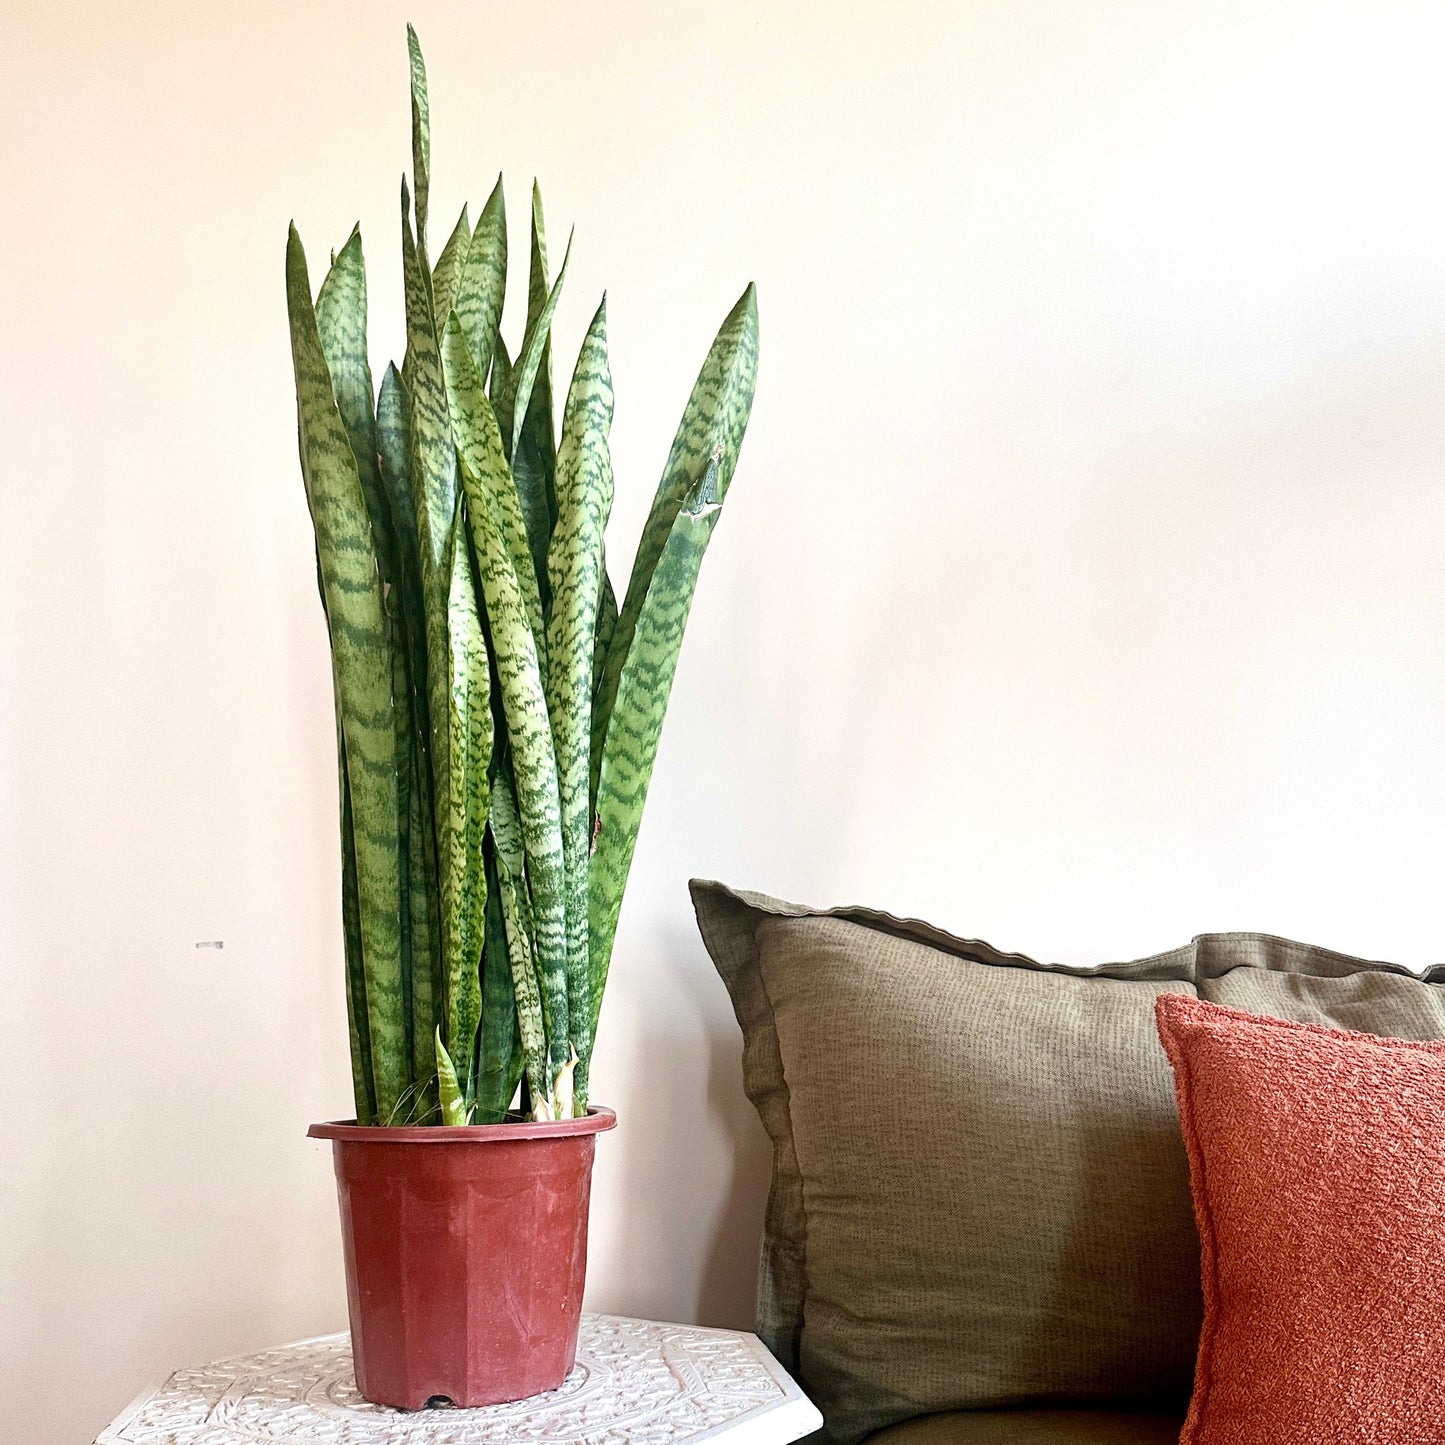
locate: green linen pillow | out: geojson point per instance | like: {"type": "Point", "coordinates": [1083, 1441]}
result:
{"type": "Point", "coordinates": [980, 1195]}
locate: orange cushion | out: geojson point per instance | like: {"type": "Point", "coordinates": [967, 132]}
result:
{"type": "Point", "coordinates": [1318, 1165]}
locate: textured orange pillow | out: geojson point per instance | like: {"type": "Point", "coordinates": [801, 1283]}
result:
{"type": "Point", "coordinates": [1318, 1164]}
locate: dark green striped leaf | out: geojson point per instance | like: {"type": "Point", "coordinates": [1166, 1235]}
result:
{"type": "Point", "coordinates": [531, 448]}
{"type": "Point", "coordinates": [446, 274]}
{"type": "Point", "coordinates": [521, 947]}
{"type": "Point", "coordinates": [464, 883]}
{"type": "Point", "coordinates": [341, 322]}
{"type": "Point", "coordinates": [711, 431]}
{"type": "Point", "coordinates": [420, 133]}
{"type": "Point", "coordinates": [432, 467]}
{"type": "Point", "coordinates": [484, 280]}
{"type": "Point", "coordinates": [474, 425]}
{"type": "Point", "coordinates": [356, 1022]}
{"type": "Point", "coordinates": [574, 565]}
{"type": "Point", "coordinates": [498, 1061]}
{"type": "Point", "coordinates": [530, 737]}
{"type": "Point", "coordinates": [361, 673]}
{"type": "Point", "coordinates": [637, 715]}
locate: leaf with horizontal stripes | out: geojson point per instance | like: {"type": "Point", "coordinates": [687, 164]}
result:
{"type": "Point", "coordinates": [393, 435]}
{"type": "Point", "coordinates": [534, 454]}
{"type": "Point", "coordinates": [341, 323]}
{"type": "Point", "coordinates": [470, 724]}
{"type": "Point", "coordinates": [432, 468]}
{"type": "Point", "coordinates": [499, 383]}
{"type": "Point", "coordinates": [498, 1060]}
{"type": "Point", "coordinates": [574, 565]}
{"type": "Point", "coordinates": [446, 274]}
{"type": "Point", "coordinates": [530, 737]}
{"type": "Point", "coordinates": [530, 447]}
{"type": "Point", "coordinates": [711, 431]}
{"type": "Point", "coordinates": [420, 133]}
{"type": "Point", "coordinates": [364, 1091]}
{"type": "Point", "coordinates": [474, 425]}
{"type": "Point", "coordinates": [361, 674]}
{"type": "Point", "coordinates": [521, 948]}
{"type": "Point", "coordinates": [637, 715]}
{"type": "Point", "coordinates": [483, 281]}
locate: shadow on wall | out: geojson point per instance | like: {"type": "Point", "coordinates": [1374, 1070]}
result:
{"type": "Point", "coordinates": [695, 1144]}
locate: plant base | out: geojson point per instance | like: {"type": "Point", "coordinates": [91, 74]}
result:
{"type": "Point", "coordinates": [466, 1253]}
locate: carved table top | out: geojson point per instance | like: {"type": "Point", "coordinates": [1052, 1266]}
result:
{"type": "Point", "coordinates": [636, 1382]}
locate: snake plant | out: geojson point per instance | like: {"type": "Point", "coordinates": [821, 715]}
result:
{"type": "Point", "coordinates": [497, 711]}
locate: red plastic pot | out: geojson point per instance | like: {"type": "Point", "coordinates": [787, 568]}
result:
{"type": "Point", "coordinates": [466, 1252]}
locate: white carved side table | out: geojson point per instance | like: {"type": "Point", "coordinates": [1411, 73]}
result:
{"type": "Point", "coordinates": [636, 1383]}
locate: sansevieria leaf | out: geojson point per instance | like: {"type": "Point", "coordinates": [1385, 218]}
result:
{"type": "Point", "coordinates": [574, 565]}
{"type": "Point", "coordinates": [432, 466]}
{"type": "Point", "coordinates": [534, 453]}
{"type": "Point", "coordinates": [637, 714]}
{"type": "Point", "coordinates": [470, 726]}
{"type": "Point", "coordinates": [453, 1103]}
{"type": "Point", "coordinates": [530, 737]}
{"type": "Point", "coordinates": [512, 882]}
{"type": "Point", "coordinates": [361, 672]}
{"type": "Point", "coordinates": [529, 442]}
{"type": "Point", "coordinates": [498, 1058]}
{"type": "Point", "coordinates": [341, 323]}
{"type": "Point", "coordinates": [357, 1026]}
{"type": "Point", "coordinates": [446, 274]}
{"type": "Point", "coordinates": [483, 280]}
{"type": "Point", "coordinates": [474, 424]}
{"type": "Point", "coordinates": [420, 134]}
{"type": "Point", "coordinates": [408, 619]}
{"type": "Point", "coordinates": [711, 431]}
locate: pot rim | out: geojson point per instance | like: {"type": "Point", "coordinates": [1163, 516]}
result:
{"type": "Point", "coordinates": [598, 1119]}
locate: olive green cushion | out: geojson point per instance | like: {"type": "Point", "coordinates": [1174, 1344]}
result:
{"type": "Point", "coordinates": [1034, 1427]}
{"type": "Point", "coordinates": [980, 1196]}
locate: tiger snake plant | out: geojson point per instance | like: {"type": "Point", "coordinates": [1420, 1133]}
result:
{"type": "Point", "coordinates": [498, 712]}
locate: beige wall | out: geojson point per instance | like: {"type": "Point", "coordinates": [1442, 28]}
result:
{"type": "Point", "coordinates": [1083, 585]}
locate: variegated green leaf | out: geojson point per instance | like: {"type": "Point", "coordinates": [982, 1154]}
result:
{"type": "Point", "coordinates": [521, 948]}
{"type": "Point", "coordinates": [453, 1104]}
{"type": "Point", "coordinates": [465, 884]}
{"type": "Point", "coordinates": [484, 280]}
{"type": "Point", "coordinates": [363, 1088]}
{"type": "Point", "coordinates": [341, 322]}
{"type": "Point", "coordinates": [428, 986]}
{"type": "Point", "coordinates": [433, 469]}
{"type": "Point", "coordinates": [606, 626]}
{"type": "Point", "coordinates": [499, 383]}
{"type": "Point", "coordinates": [530, 737]}
{"type": "Point", "coordinates": [420, 133]}
{"type": "Point", "coordinates": [405, 604]}
{"type": "Point", "coordinates": [446, 274]}
{"type": "Point", "coordinates": [415, 972]}
{"type": "Point", "coordinates": [498, 1061]}
{"type": "Point", "coordinates": [537, 285]}
{"type": "Point", "coordinates": [574, 565]}
{"type": "Point", "coordinates": [711, 431]}
{"type": "Point", "coordinates": [527, 427]}
{"type": "Point", "coordinates": [412, 711]}
{"type": "Point", "coordinates": [478, 440]}
{"type": "Point", "coordinates": [637, 715]}
{"type": "Point", "coordinates": [534, 457]}
{"type": "Point", "coordinates": [432, 466]}
{"type": "Point", "coordinates": [361, 672]}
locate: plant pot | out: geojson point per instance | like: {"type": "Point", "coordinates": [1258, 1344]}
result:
{"type": "Point", "coordinates": [466, 1252]}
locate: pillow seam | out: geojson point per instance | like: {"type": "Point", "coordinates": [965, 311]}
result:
{"type": "Point", "coordinates": [1208, 1237]}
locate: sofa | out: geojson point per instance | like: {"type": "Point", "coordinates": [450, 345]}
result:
{"type": "Point", "coordinates": [979, 1228]}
